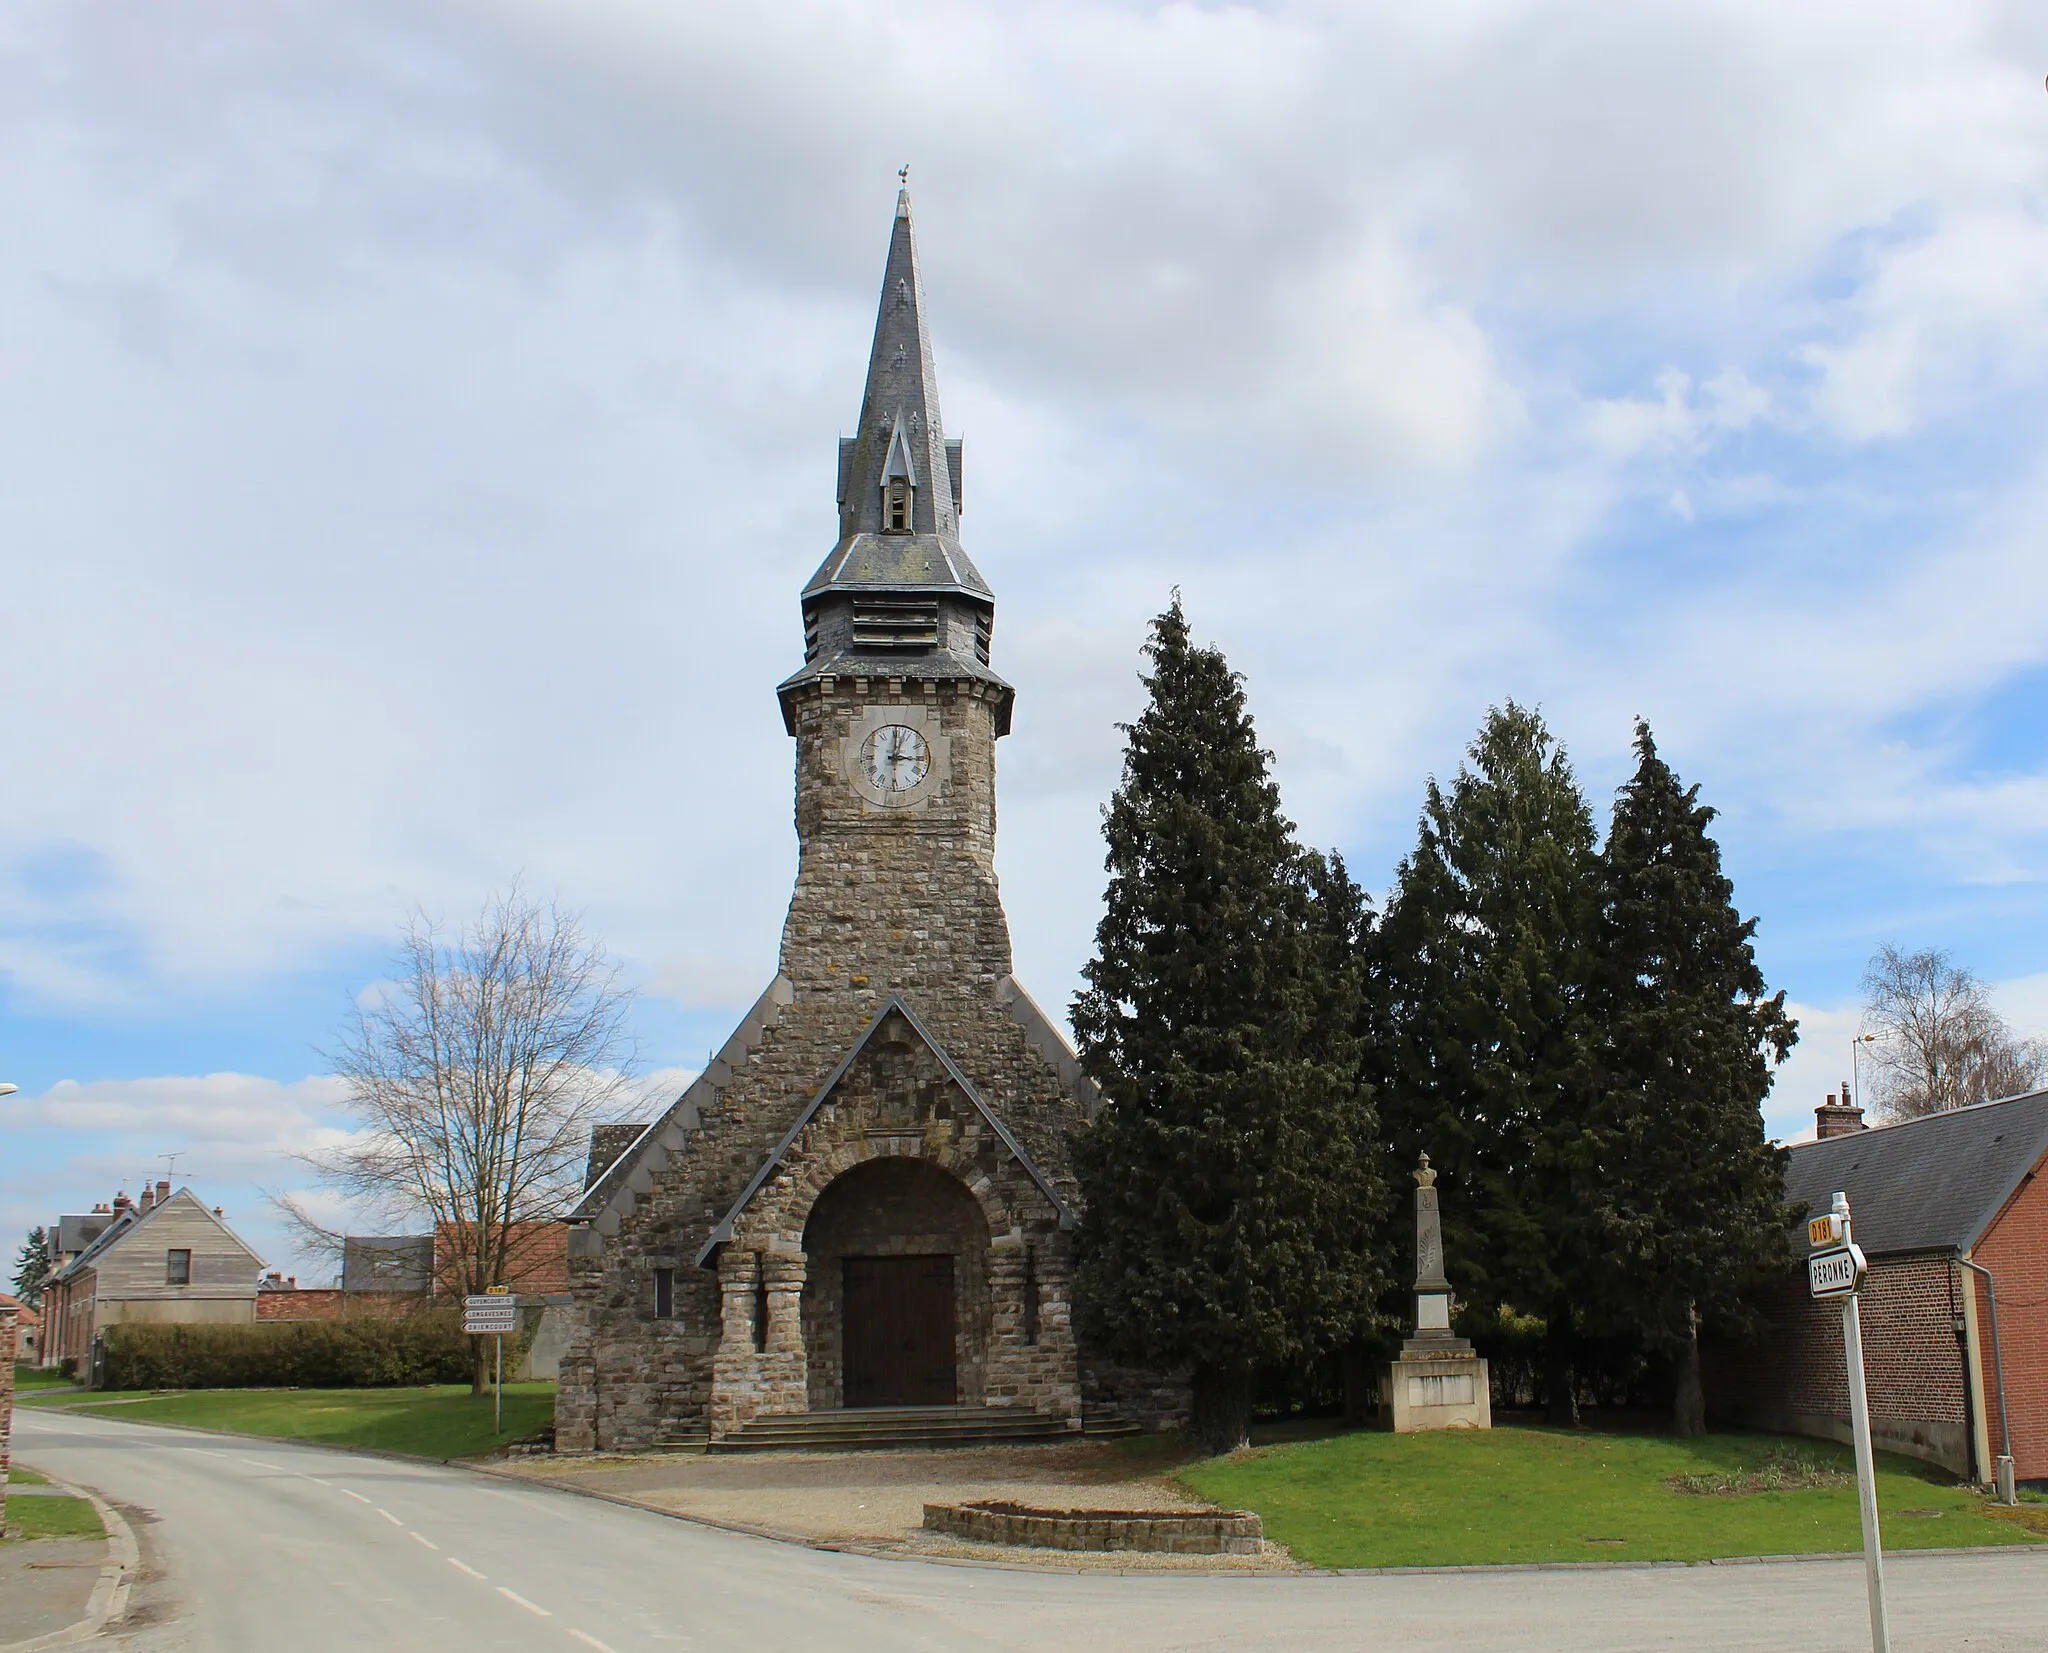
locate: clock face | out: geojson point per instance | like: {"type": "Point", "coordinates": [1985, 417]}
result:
{"type": "Point", "coordinates": [895, 758]}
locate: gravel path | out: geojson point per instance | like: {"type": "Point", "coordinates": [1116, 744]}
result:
{"type": "Point", "coordinates": [877, 1499]}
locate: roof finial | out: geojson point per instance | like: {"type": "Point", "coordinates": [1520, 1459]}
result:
{"type": "Point", "coordinates": [903, 174]}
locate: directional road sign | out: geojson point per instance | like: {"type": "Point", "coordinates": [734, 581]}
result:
{"type": "Point", "coordinates": [1835, 1273]}
{"type": "Point", "coordinates": [490, 1313]}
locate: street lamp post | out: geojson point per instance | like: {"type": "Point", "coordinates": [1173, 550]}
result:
{"type": "Point", "coordinates": [1856, 1045]}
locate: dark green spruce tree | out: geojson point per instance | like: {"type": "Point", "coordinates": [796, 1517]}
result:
{"type": "Point", "coordinates": [31, 1264]}
{"type": "Point", "coordinates": [1690, 1192]}
{"type": "Point", "coordinates": [1487, 949]}
{"type": "Point", "coordinates": [1231, 1184]}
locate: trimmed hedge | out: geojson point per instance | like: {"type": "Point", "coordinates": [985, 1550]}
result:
{"type": "Point", "coordinates": [358, 1353]}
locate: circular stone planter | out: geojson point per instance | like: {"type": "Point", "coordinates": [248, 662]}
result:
{"type": "Point", "coordinates": [1175, 1532]}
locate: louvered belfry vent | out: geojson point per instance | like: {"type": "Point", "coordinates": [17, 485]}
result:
{"type": "Point", "coordinates": [883, 620]}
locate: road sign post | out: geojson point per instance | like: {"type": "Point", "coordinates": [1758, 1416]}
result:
{"type": "Point", "coordinates": [1838, 1271]}
{"type": "Point", "coordinates": [493, 1314]}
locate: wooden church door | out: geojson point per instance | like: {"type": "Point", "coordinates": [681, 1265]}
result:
{"type": "Point", "coordinates": [898, 1330]}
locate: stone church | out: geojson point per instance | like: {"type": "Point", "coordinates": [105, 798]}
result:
{"type": "Point", "coordinates": [865, 1202]}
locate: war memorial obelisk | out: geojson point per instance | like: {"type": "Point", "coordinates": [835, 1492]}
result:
{"type": "Point", "coordinates": [1439, 1381]}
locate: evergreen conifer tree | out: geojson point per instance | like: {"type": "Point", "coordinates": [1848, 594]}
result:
{"type": "Point", "coordinates": [1487, 950]}
{"type": "Point", "coordinates": [31, 1265]}
{"type": "Point", "coordinates": [1230, 1183]}
{"type": "Point", "coordinates": [1690, 1194]}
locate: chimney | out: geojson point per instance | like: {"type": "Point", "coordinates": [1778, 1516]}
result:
{"type": "Point", "coordinates": [148, 1198]}
{"type": "Point", "coordinates": [1841, 1118]}
{"type": "Point", "coordinates": [122, 1202]}
{"type": "Point", "coordinates": [101, 1209]}
{"type": "Point", "coordinates": [163, 1190]}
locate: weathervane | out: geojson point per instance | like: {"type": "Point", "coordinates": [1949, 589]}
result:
{"type": "Point", "coordinates": [903, 175]}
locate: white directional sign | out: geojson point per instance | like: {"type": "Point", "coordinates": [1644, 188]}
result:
{"type": "Point", "coordinates": [490, 1313]}
{"type": "Point", "coordinates": [1835, 1273]}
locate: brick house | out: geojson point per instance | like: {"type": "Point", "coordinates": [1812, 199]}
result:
{"type": "Point", "coordinates": [166, 1259]}
{"type": "Point", "coordinates": [28, 1330]}
{"type": "Point", "coordinates": [1929, 1196]}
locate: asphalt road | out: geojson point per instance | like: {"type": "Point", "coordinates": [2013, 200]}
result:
{"type": "Point", "coordinates": [259, 1547]}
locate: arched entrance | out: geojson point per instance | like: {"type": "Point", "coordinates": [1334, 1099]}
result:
{"type": "Point", "coordinates": [896, 1289]}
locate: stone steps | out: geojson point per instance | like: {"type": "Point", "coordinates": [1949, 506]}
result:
{"type": "Point", "coordinates": [889, 1426]}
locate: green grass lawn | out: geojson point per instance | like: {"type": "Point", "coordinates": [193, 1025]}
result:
{"type": "Point", "coordinates": [52, 1517]}
{"type": "Point", "coordinates": [441, 1421]}
{"type": "Point", "coordinates": [38, 1377]}
{"type": "Point", "coordinates": [20, 1476]}
{"type": "Point", "coordinates": [1368, 1499]}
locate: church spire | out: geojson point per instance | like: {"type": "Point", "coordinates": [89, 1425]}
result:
{"type": "Point", "coordinates": [897, 598]}
{"type": "Point", "coordinates": [899, 478]}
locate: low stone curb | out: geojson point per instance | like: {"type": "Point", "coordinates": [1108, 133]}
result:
{"type": "Point", "coordinates": [109, 1598]}
{"type": "Point", "coordinates": [1162, 1532]}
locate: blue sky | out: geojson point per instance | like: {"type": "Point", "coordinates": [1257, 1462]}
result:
{"type": "Point", "coordinates": [418, 420]}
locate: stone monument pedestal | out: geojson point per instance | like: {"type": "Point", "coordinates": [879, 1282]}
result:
{"type": "Point", "coordinates": [1436, 1389]}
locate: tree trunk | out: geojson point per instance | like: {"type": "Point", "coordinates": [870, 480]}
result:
{"type": "Point", "coordinates": [1560, 1383]}
{"type": "Point", "coordinates": [480, 1366]}
{"type": "Point", "coordinates": [1220, 1417]}
{"type": "Point", "coordinates": [1360, 1384]}
{"type": "Point", "coordinates": [1689, 1395]}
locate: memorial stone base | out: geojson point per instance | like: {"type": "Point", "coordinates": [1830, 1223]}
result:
{"type": "Point", "coordinates": [1436, 1391]}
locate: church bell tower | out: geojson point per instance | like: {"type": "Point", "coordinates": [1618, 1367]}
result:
{"type": "Point", "coordinates": [866, 1200]}
{"type": "Point", "coordinates": [897, 709]}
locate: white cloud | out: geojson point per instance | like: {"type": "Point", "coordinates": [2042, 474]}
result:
{"type": "Point", "coordinates": [435, 407]}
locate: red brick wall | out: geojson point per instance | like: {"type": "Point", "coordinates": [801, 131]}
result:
{"type": "Point", "coordinates": [331, 1303]}
{"type": "Point", "coordinates": [67, 1320]}
{"type": "Point", "coordinates": [1795, 1378]}
{"type": "Point", "coordinates": [537, 1258]}
{"type": "Point", "coordinates": [2016, 1252]}
{"type": "Point", "coordinates": [7, 1317]}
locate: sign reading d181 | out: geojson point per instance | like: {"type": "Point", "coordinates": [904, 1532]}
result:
{"type": "Point", "coordinates": [1826, 1229]}
{"type": "Point", "coordinates": [1836, 1273]}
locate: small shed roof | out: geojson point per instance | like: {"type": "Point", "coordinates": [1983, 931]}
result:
{"type": "Point", "coordinates": [1931, 1184]}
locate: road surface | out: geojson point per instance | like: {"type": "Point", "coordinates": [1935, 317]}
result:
{"type": "Point", "coordinates": [251, 1546]}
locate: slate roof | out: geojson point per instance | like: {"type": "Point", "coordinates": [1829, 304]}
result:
{"type": "Point", "coordinates": [387, 1262]}
{"type": "Point", "coordinates": [75, 1233]}
{"type": "Point", "coordinates": [1932, 1184]}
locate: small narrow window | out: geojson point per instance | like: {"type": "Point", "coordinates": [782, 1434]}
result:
{"type": "Point", "coordinates": [984, 630]}
{"type": "Point", "coordinates": [177, 1268]}
{"type": "Point", "coordinates": [760, 1300]}
{"type": "Point", "coordinates": [664, 1294]}
{"type": "Point", "coordinates": [896, 509]}
{"type": "Point", "coordinates": [1031, 1295]}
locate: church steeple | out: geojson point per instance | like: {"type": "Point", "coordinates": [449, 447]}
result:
{"type": "Point", "coordinates": [898, 596]}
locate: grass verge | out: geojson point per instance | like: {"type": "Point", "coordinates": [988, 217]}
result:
{"type": "Point", "coordinates": [438, 1421]}
{"type": "Point", "coordinates": [52, 1517]}
{"type": "Point", "coordinates": [38, 1377]}
{"type": "Point", "coordinates": [1369, 1499]}
{"type": "Point", "coordinates": [19, 1475]}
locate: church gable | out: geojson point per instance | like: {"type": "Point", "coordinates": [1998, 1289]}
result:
{"type": "Point", "coordinates": [897, 1091]}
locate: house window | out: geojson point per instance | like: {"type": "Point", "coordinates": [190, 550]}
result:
{"type": "Point", "coordinates": [664, 1294]}
{"type": "Point", "coordinates": [177, 1268]}
{"type": "Point", "coordinates": [760, 1300]}
{"type": "Point", "coordinates": [896, 509]}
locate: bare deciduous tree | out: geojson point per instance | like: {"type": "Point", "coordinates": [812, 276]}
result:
{"type": "Point", "coordinates": [1941, 1043]}
{"type": "Point", "coordinates": [475, 1078]}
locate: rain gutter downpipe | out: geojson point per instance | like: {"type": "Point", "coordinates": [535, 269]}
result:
{"type": "Point", "coordinates": [2007, 1493]}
